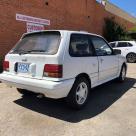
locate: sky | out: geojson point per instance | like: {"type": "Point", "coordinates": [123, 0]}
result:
{"type": "Point", "coordinates": [127, 5]}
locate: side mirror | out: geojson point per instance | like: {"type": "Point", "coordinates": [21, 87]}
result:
{"type": "Point", "coordinates": [117, 51]}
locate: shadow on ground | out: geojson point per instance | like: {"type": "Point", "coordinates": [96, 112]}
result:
{"type": "Point", "coordinates": [101, 98]}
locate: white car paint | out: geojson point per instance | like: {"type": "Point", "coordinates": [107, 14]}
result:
{"type": "Point", "coordinates": [125, 50]}
{"type": "Point", "coordinates": [100, 69]}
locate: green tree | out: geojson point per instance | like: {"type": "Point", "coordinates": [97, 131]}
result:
{"type": "Point", "coordinates": [113, 31]}
{"type": "Point", "coordinates": [133, 30]}
{"type": "Point", "coordinates": [132, 33]}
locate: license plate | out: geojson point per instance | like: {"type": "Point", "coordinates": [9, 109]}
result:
{"type": "Point", "coordinates": [23, 68]}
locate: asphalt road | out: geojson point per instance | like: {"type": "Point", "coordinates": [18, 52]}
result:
{"type": "Point", "coordinates": [111, 111]}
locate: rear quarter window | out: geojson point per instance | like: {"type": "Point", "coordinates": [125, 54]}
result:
{"type": "Point", "coordinates": [130, 45]}
{"type": "Point", "coordinates": [80, 46]}
{"type": "Point", "coordinates": [112, 45]}
{"type": "Point", "coordinates": [122, 44]}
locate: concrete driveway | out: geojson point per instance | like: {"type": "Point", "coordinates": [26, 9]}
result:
{"type": "Point", "coordinates": [111, 111]}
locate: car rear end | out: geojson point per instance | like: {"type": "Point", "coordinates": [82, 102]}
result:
{"type": "Point", "coordinates": [36, 64]}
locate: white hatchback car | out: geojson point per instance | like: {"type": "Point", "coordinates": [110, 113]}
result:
{"type": "Point", "coordinates": [128, 49]}
{"type": "Point", "coordinates": [62, 64]}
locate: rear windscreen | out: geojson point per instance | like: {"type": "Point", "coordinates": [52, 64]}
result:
{"type": "Point", "coordinates": [44, 42]}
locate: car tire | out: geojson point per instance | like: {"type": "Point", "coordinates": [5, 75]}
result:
{"type": "Point", "coordinates": [131, 58]}
{"type": "Point", "coordinates": [122, 75]}
{"type": "Point", "coordinates": [78, 96]}
{"type": "Point", "coordinates": [24, 92]}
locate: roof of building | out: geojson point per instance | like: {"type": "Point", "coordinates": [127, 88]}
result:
{"type": "Point", "coordinates": [110, 7]}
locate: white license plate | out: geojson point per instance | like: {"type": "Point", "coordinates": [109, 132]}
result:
{"type": "Point", "coordinates": [23, 68]}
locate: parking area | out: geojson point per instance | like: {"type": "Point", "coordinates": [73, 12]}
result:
{"type": "Point", "coordinates": [111, 111]}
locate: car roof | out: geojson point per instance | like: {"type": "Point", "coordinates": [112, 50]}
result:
{"type": "Point", "coordinates": [62, 31]}
{"type": "Point", "coordinates": [121, 41]}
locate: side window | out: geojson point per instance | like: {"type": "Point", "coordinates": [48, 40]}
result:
{"type": "Point", "coordinates": [113, 45]}
{"type": "Point", "coordinates": [80, 46]}
{"type": "Point", "coordinates": [122, 44]}
{"type": "Point", "coordinates": [101, 47]}
{"type": "Point", "coordinates": [130, 45]}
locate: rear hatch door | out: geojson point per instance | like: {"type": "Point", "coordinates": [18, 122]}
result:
{"type": "Point", "coordinates": [32, 52]}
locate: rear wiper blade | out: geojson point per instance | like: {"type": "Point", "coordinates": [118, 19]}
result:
{"type": "Point", "coordinates": [21, 51]}
{"type": "Point", "coordinates": [28, 51]}
{"type": "Point", "coordinates": [35, 51]}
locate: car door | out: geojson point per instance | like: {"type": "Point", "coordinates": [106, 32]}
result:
{"type": "Point", "coordinates": [108, 62]}
{"type": "Point", "coordinates": [81, 58]}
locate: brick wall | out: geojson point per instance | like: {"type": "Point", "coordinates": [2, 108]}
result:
{"type": "Point", "coordinates": [85, 15]}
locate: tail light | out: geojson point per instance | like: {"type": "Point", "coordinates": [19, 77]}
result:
{"type": "Point", "coordinates": [53, 70]}
{"type": "Point", "coordinates": [6, 65]}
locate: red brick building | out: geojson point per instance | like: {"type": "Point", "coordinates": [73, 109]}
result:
{"type": "Point", "coordinates": [87, 15]}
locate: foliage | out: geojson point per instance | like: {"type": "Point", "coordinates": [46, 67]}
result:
{"type": "Point", "coordinates": [133, 30]}
{"type": "Point", "coordinates": [132, 33]}
{"type": "Point", "coordinates": [113, 31]}
{"type": "Point", "coordinates": [105, 0]}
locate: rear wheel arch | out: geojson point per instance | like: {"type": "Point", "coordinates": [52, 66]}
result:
{"type": "Point", "coordinates": [131, 53]}
{"type": "Point", "coordinates": [84, 75]}
{"type": "Point", "coordinates": [78, 98]}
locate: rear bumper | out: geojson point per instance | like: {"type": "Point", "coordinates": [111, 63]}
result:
{"type": "Point", "coordinates": [48, 88]}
